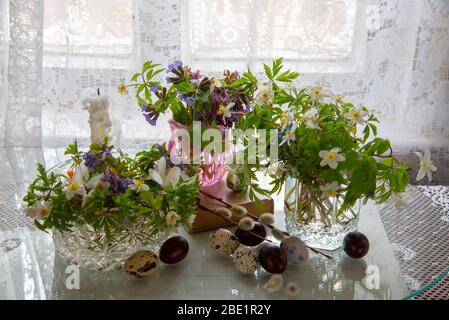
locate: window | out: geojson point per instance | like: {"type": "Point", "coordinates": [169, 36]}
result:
{"type": "Point", "coordinates": [87, 34]}
{"type": "Point", "coordinates": [315, 35]}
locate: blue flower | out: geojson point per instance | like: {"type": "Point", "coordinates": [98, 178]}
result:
{"type": "Point", "coordinates": [154, 88]}
{"type": "Point", "coordinates": [105, 154]}
{"type": "Point", "coordinates": [174, 65]}
{"type": "Point", "coordinates": [116, 184]}
{"type": "Point", "coordinates": [91, 160]}
{"type": "Point", "coordinates": [151, 115]}
{"type": "Point", "coordinates": [190, 101]}
{"type": "Point", "coordinates": [181, 96]}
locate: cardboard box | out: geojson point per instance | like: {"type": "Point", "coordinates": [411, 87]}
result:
{"type": "Point", "coordinates": [206, 220]}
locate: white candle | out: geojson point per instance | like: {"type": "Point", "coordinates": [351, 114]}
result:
{"type": "Point", "coordinates": [99, 119]}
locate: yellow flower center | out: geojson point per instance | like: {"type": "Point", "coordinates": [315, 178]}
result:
{"type": "Point", "coordinates": [356, 115]}
{"type": "Point", "coordinates": [284, 117]}
{"type": "Point", "coordinates": [138, 183]}
{"type": "Point", "coordinates": [221, 110]}
{"type": "Point", "coordinates": [43, 211]}
{"type": "Point", "coordinates": [331, 193]}
{"type": "Point", "coordinates": [73, 186]}
{"type": "Point", "coordinates": [122, 89]}
{"type": "Point", "coordinates": [265, 95]}
{"type": "Point", "coordinates": [331, 156]}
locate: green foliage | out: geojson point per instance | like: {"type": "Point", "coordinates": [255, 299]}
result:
{"type": "Point", "coordinates": [369, 169]}
{"type": "Point", "coordinates": [102, 206]}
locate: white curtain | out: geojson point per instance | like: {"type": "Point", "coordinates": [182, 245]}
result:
{"type": "Point", "coordinates": [391, 55]}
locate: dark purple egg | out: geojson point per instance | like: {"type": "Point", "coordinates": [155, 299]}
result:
{"type": "Point", "coordinates": [356, 245]}
{"type": "Point", "coordinates": [248, 238]}
{"type": "Point", "coordinates": [174, 250]}
{"type": "Point", "coordinates": [272, 258]}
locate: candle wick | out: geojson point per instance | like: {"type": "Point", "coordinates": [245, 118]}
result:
{"type": "Point", "coordinates": [98, 91]}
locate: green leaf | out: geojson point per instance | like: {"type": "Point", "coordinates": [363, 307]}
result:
{"type": "Point", "coordinates": [268, 71]}
{"type": "Point", "coordinates": [135, 76]}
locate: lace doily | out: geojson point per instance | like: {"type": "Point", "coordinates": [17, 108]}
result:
{"type": "Point", "coordinates": [419, 237]}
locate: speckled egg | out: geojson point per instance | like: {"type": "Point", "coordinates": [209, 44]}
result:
{"type": "Point", "coordinates": [246, 260]}
{"type": "Point", "coordinates": [141, 263]}
{"type": "Point", "coordinates": [295, 250]}
{"type": "Point", "coordinates": [223, 241]}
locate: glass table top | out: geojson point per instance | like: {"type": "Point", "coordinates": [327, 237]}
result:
{"type": "Point", "coordinates": [408, 251]}
{"type": "Point", "coordinates": [31, 270]}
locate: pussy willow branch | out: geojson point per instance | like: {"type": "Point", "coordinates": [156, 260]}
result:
{"type": "Point", "coordinates": [233, 222]}
{"type": "Point", "coordinates": [256, 218]}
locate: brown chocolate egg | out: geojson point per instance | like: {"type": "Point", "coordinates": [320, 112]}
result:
{"type": "Point", "coordinates": [254, 237]}
{"type": "Point", "coordinates": [141, 264]}
{"type": "Point", "coordinates": [174, 250]}
{"type": "Point", "coordinates": [272, 258]}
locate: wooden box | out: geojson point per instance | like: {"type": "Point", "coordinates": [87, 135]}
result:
{"type": "Point", "coordinates": [208, 221]}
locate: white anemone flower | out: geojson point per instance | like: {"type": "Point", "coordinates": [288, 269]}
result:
{"type": "Point", "coordinates": [356, 115]}
{"type": "Point", "coordinates": [329, 190]}
{"type": "Point", "coordinates": [139, 185]}
{"type": "Point", "coordinates": [265, 93]}
{"type": "Point", "coordinates": [216, 83]}
{"type": "Point", "coordinates": [286, 119]}
{"type": "Point", "coordinates": [165, 177]}
{"type": "Point", "coordinates": [172, 218]}
{"type": "Point", "coordinates": [331, 158]}
{"type": "Point", "coordinates": [310, 117]}
{"type": "Point", "coordinates": [43, 209]}
{"type": "Point", "coordinates": [400, 200]}
{"type": "Point", "coordinates": [225, 111]}
{"type": "Point", "coordinates": [316, 92]}
{"type": "Point", "coordinates": [426, 166]}
{"type": "Point", "coordinates": [340, 98]}
{"type": "Point", "coordinates": [289, 135]}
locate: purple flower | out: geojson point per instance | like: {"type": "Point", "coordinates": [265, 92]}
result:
{"type": "Point", "coordinates": [154, 88]}
{"type": "Point", "coordinates": [190, 101]}
{"type": "Point", "coordinates": [91, 160]}
{"type": "Point", "coordinates": [105, 154]}
{"type": "Point", "coordinates": [150, 113]}
{"type": "Point", "coordinates": [173, 65]}
{"type": "Point", "coordinates": [116, 184]}
{"type": "Point", "coordinates": [181, 96]}
{"type": "Point", "coordinates": [195, 75]}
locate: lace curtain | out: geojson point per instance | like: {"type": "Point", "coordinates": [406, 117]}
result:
{"type": "Point", "coordinates": [391, 55]}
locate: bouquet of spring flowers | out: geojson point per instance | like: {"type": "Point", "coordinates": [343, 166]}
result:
{"type": "Point", "coordinates": [109, 191]}
{"type": "Point", "coordinates": [329, 156]}
{"type": "Point", "coordinates": [193, 99]}
{"type": "Point", "coordinates": [190, 96]}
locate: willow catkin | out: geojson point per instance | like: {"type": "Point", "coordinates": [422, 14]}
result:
{"type": "Point", "coordinates": [246, 224]}
{"type": "Point", "coordinates": [266, 219]}
{"type": "Point", "coordinates": [224, 212]}
{"type": "Point", "coordinates": [239, 211]}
